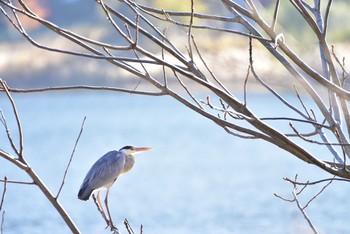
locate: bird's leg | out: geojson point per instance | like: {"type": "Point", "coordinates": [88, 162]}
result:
{"type": "Point", "coordinates": [113, 228]}
{"type": "Point", "coordinates": [100, 207]}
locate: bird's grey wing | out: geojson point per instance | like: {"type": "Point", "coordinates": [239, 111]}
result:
{"type": "Point", "coordinates": [105, 170]}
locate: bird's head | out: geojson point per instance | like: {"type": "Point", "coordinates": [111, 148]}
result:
{"type": "Point", "coordinates": [131, 150]}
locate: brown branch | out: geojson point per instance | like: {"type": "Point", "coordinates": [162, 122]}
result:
{"type": "Point", "coordinates": [9, 137]}
{"type": "Point", "coordinates": [275, 14]}
{"type": "Point", "coordinates": [317, 181]}
{"type": "Point", "coordinates": [71, 158]}
{"type": "Point", "coordinates": [296, 200]}
{"type": "Point", "coordinates": [1, 206]}
{"type": "Point", "coordinates": [85, 87]}
{"type": "Point", "coordinates": [21, 163]}
{"type": "Point", "coordinates": [2, 222]}
{"type": "Point", "coordinates": [128, 227]}
{"type": "Point", "coordinates": [239, 135]}
{"type": "Point", "coordinates": [17, 182]}
{"type": "Point", "coordinates": [346, 74]}
{"type": "Point", "coordinates": [268, 87]}
{"type": "Point", "coordinates": [188, 91]}
{"type": "Point", "coordinates": [245, 86]}
{"type": "Point", "coordinates": [19, 126]}
{"type": "Point", "coordinates": [303, 211]}
{"type": "Point", "coordinates": [313, 141]}
{"type": "Point", "coordinates": [208, 68]}
{"type": "Point", "coordinates": [317, 194]}
{"type": "Point", "coordinates": [189, 36]}
{"type": "Point", "coordinates": [3, 193]}
{"type": "Point", "coordinates": [113, 23]}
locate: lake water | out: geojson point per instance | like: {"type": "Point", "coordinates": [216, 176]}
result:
{"type": "Point", "coordinates": [198, 179]}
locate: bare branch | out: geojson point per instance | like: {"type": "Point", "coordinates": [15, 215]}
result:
{"type": "Point", "coordinates": [19, 126]}
{"type": "Point", "coordinates": [275, 14]}
{"type": "Point", "coordinates": [317, 194]}
{"type": "Point", "coordinates": [303, 212]}
{"type": "Point", "coordinates": [313, 141]}
{"type": "Point", "coordinates": [208, 68]}
{"type": "Point", "coordinates": [85, 87]}
{"type": "Point", "coordinates": [264, 84]}
{"type": "Point", "coordinates": [17, 182]}
{"type": "Point", "coordinates": [188, 91]}
{"type": "Point", "coordinates": [71, 158]}
{"type": "Point", "coordinates": [9, 137]}
{"type": "Point", "coordinates": [317, 181]}
{"type": "Point", "coordinates": [3, 193]}
{"type": "Point", "coordinates": [189, 36]}
{"type": "Point", "coordinates": [128, 227]}
{"type": "Point", "coordinates": [2, 222]}
{"type": "Point", "coordinates": [284, 199]}
{"type": "Point", "coordinates": [326, 18]}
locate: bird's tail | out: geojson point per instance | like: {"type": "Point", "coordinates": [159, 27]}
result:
{"type": "Point", "coordinates": [84, 192]}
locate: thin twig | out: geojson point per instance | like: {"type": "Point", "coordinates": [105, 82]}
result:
{"type": "Point", "coordinates": [296, 200]}
{"type": "Point", "coordinates": [302, 102]}
{"type": "Point", "coordinates": [128, 227]}
{"type": "Point", "coordinates": [84, 87]}
{"type": "Point", "coordinates": [188, 91]}
{"type": "Point", "coordinates": [245, 86]}
{"type": "Point", "coordinates": [3, 193]}
{"type": "Point", "coordinates": [326, 18]}
{"type": "Point", "coordinates": [313, 141]}
{"type": "Point", "coordinates": [283, 198]}
{"type": "Point", "coordinates": [19, 126]}
{"type": "Point", "coordinates": [17, 182]}
{"type": "Point", "coordinates": [275, 14]}
{"type": "Point", "coordinates": [264, 84]}
{"type": "Point", "coordinates": [317, 181]}
{"type": "Point", "coordinates": [208, 68]}
{"type": "Point", "coordinates": [239, 135]}
{"type": "Point", "coordinates": [317, 194]}
{"type": "Point", "coordinates": [189, 36]}
{"type": "Point", "coordinates": [319, 125]}
{"type": "Point", "coordinates": [346, 74]}
{"type": "Point", "coordinates": [303, 212]}
{"type": "Point", "coordinates": [9, 137]}
{"type": "Point", "coordinates": [2, 222]}
{"type": "Point", "coordinates": [71, 158]}
{"type": "Point", "coordinates": [165, 79]}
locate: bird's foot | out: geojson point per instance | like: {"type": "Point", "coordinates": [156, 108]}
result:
{"type": "Point", "coordinates": [114, 229]}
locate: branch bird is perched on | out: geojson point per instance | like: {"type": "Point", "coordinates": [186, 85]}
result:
{"type": "Point", "coordinates": [105, 172]}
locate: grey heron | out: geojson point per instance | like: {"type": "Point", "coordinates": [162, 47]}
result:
{"type": "Point", "coordinates": [105, 172]}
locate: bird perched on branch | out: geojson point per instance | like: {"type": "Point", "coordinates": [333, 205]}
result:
{"type": "Point", "coordinates": [104, 173]}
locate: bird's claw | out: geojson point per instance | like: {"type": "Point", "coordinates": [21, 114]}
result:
{"type": "Point", "coordinates": [114, 229]}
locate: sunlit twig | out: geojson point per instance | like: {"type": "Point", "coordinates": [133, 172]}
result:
{"type": "Point", "coordinates": [71, 158]}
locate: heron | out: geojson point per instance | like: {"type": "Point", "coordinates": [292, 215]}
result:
{"type": "Point", "coordinates": [104, 172]}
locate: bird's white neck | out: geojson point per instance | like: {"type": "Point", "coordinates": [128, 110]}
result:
{"type": "Point", "coordinates": [129, 163]}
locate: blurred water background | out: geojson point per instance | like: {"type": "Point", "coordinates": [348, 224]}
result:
{"type": "Point", "coordinates": [198, 179]}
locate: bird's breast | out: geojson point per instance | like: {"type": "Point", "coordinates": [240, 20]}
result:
{"type": "Point", "coordinates": [129, 163]}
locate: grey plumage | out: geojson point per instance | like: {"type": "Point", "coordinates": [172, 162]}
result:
{"type": "Point", "coordinates": [105, 172]}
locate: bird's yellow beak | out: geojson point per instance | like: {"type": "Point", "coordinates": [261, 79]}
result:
{"type": "Point", "coordinates": [141, 149]}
